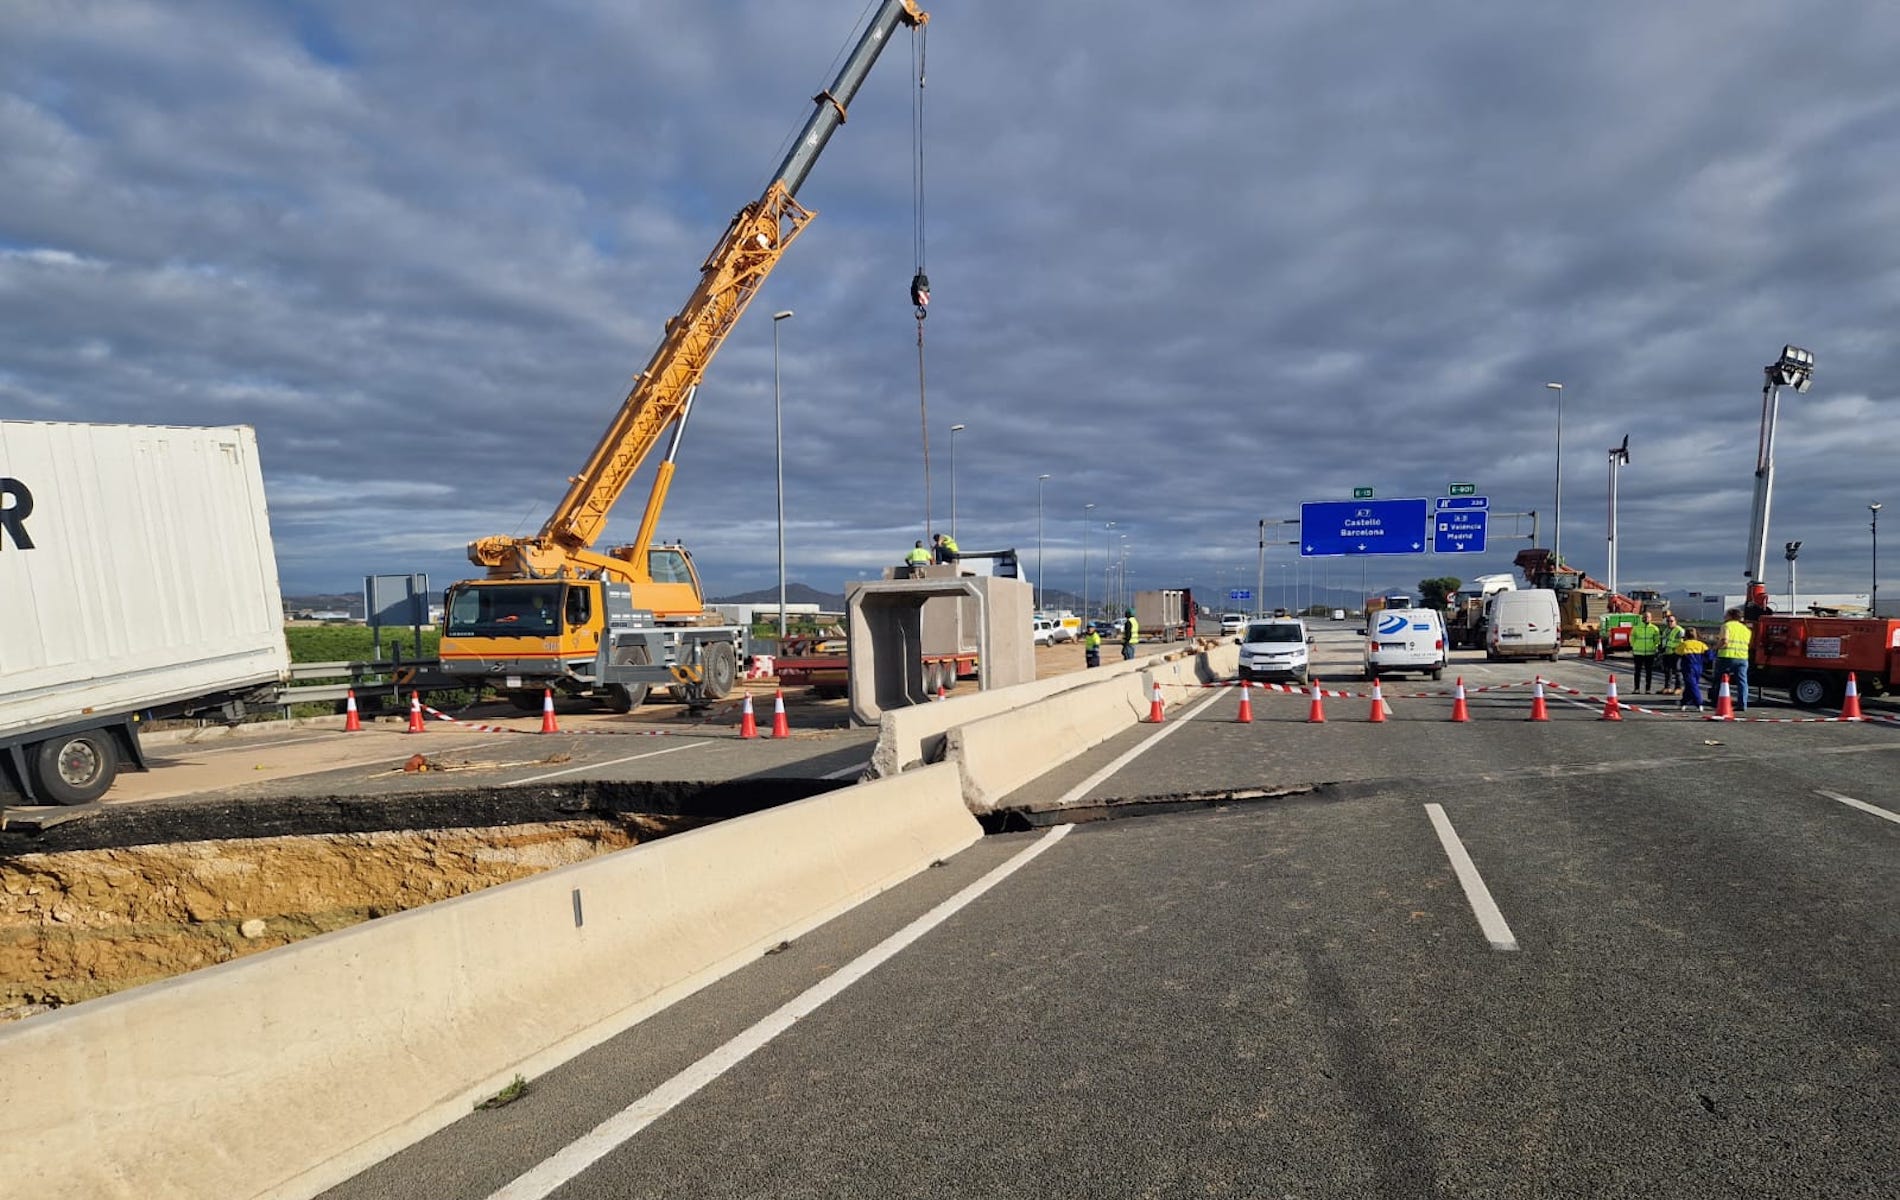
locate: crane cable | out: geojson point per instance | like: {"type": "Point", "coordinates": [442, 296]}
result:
{"type": "Point", "coordinates": [920, 282]}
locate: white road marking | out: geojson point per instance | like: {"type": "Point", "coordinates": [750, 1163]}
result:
{"type": "Point", "coordinates": [1862, 805]}
{"type": "Point", "coordinates": [610, 1134]}
{"type": "Point", "coordinates": [1088, 785]}
{"type": "Point", "coordinates": [857, 769]}
{"type": "Point", "coordinates": [1490, 920]}
{"type": "Point", "coordinates": [611, 763]}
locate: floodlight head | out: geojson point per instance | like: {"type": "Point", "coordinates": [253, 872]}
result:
{"type": "Point", "coordinates": [780, 316]}
{"type": "Point", "coordinates": [956, 429]}
{"type": "Point", "coordinates": [1795, 368]}
{"type": "Point", "coordinates": [1794, 548]}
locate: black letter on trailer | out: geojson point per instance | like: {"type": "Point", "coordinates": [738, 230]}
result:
{"type": "Point", "coordinates": [13, 518]}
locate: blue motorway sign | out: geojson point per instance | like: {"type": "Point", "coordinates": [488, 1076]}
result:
{"type": "Point", "coordinates": [1332, 528]}
{"type": "Point", "coordinates": [1240, 594]}
{"type": "Point", "coordinates": [1450, 502]}
{"type": "Point", "coordinates": [1459, 531]}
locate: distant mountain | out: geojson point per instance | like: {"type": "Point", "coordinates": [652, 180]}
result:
{"type": "Point", "coordinates": [795, 593]}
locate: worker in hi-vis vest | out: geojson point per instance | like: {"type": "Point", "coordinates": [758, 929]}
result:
{"type": "Point", "coordinates": [1667, 656]}
{"type": "Point", "coordinates": [1131, 633]}
{"type": "Point", "coordinates": [919, 556]}
{"type": "Point", "coordinates": [1731, 657]}
{"type": "Point", "coordinates": [1645, 643]}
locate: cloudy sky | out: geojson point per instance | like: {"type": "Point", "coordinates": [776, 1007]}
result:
{"type": "Point", "coordinates": [1195, 262]}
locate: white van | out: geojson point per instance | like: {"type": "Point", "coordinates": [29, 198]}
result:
{"type": "Point", "coordinates": [1523, 624]}
{"type": "Point", "coordinates": [1274, 648]}
{"type": "Point", "coordinates": [1406, 639]}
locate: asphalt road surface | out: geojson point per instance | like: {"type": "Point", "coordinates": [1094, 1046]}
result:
{"type": "Point", "coordinates": [1667, 968]}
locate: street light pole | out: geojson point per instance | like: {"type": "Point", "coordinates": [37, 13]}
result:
{"type": "Point", "coordinates": [1794, 599]}
{"type": "Point", "coordinates": [1557, 536]}
{"type": "Point", "coordinates": [1260, 573]}
{"type": "Point", "coordinates": [1040, 480]}
{"type": "Point", "coordinates": [1085, 562]}
{"type": "Point", "coordinates": [954, 431]}
{"type": "Point", "coordinates": [778, 441]}
{"type": "Point", "coordinates": [1873, 592]}
{"type": "Point", "coordinates": [1619, 456]}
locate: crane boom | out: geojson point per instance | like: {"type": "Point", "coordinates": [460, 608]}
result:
{"type": "Point", "coordinates": [662, 393]}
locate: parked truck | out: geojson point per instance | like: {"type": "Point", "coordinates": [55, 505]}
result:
{"type": "Point", "coordinates": [137, 581]}
{"type": "Point", "coordinates": [1165, 614]}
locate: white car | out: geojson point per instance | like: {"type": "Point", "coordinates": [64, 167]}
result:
{"type": "Point", "coordinates": [1044, 633]}
{"type": "Point", "coordinates": [1274, 648]}
{"type": "Point", "coordinates": [1232, 623]}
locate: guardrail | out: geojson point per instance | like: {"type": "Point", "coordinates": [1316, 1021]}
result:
{"type": "Point", "coordinates": [373, 678]}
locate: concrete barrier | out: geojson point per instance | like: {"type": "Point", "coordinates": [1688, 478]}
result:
{"type": "Point", "coordinates": [282, 1074]}
{"type": "Point", "coordinates": [910, 737]}
{"type": "Point", "coordinates": [999, 753]}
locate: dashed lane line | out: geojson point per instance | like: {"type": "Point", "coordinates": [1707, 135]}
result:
{"type": "Point", "coordinates": [1862, 805]}
{"type": "Point", "coordinates": [1496, 930]}
{"type": "Point", "coordinates": [609, 1135]}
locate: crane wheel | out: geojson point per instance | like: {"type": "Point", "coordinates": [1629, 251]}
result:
{"type": "Point", "coordinates": [623, 698]}
{"type": "Point", "coordinates": [719, 670]}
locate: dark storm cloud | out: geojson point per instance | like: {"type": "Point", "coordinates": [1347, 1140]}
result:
{"type": "Point", "coordinates": [1197, 263]}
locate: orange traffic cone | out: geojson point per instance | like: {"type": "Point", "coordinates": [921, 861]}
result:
{"type": "Point", "coordinates": [547, 712]}
{"type": "Point", "coordinates": [942, 692]}
{"type": "Point", "coordinates": [415, 714]}
{"type": "Point", "coordinates": [1458, 710]}
{"type": "Point", "coordinates": [1246, 703]}
{"type": "Point", "coordinates": [1154, 705]}
{"type": "Point", "coordinates": [353, 723]}
{"type": "Point", "coordinates": [748, 724]}
{"type": "Point", "coordinates": [1539, 711]}
{"type": "Point", "coordinates": [1378, 704]}
{"type": "Point", "coordinates": [781, 728]}
{"type": "Point", "coordinates": [1850, 704]}
{"type": "Point", "coordinates": [1599, 649]}
{"type": "Point", "coordinates": [1583, 650]}
{"type": "Point", "coordinates": [1316, 715]}
{"type": "Point", "coordinates": [1612, 711]}
{"type": "Point", "coordinates": [1724, 703]}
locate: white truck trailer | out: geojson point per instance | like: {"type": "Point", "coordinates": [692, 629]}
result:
{"type": "Point", "coordinates": [137, 581]}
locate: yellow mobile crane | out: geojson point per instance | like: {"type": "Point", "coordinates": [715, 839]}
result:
{"type": "Point", "coordinates": [555, 612]}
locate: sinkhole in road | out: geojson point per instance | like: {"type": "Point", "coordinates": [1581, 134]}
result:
{"type": "Point", "coordinates": [137, 893]}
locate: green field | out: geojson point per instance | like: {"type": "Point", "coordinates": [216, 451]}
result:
{"type": "Point", "coordinates": [351, 643]}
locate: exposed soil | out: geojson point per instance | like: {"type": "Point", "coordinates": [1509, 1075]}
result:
{"type": "Point", "coordinates": [141, 893]}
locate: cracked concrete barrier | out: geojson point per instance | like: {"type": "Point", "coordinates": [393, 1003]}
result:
{"type": "Point", "coordinates": [910, 737]}
{"type": "Point", "coordinates": [1000, 753]}
{"type": "Point", "coordinates": [282, 1074]}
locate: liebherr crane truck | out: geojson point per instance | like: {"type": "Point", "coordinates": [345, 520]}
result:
{"type": "Point", "coordinates": [554, 611]}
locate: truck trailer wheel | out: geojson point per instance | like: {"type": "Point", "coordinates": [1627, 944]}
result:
{"type": "Point", "coordinates": [76, 769]}
{"type": "Point", "coordinates": [1812, 691]}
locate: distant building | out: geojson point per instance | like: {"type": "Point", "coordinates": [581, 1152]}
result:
{"type": "Point", "coordinates": [1708, 608]}
{"type": "Point", "coordinates": [755, 614]}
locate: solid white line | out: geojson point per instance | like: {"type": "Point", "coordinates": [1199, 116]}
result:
{"type": "Point", "coordinates": [1490, 920]}
{"type": "Point", "coordinates": [604, 1138]}
{"type": "Point", "coordinates": [857, 769]}
{"type": "Point", "coordinates": [1088, 785]}
{"type": "Point", "coordinates": [610, 763]}
{"type": "Point", "coordinates": [1862, 805]}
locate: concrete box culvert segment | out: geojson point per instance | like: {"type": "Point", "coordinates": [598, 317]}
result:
{"type": "Point", "coordinates": [366, 1039]}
